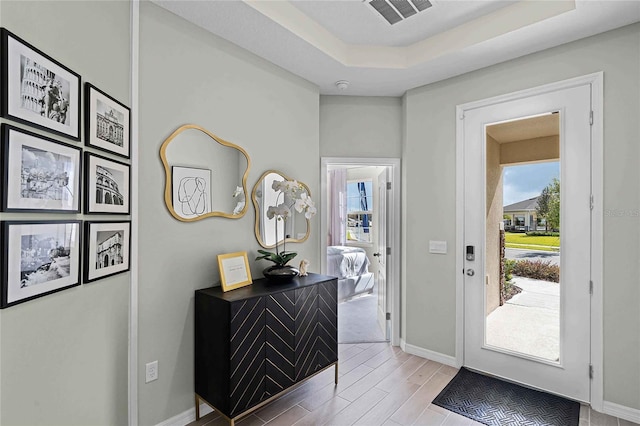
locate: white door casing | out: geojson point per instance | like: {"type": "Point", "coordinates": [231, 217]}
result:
{"type": "Point", "coordinates": [570, 376]}
{"type": "Point", "coordinates": [393, 234]}
{"type": "Point", "coordinates": [381, 257]}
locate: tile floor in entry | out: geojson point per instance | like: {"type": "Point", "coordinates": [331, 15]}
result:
{"type": "Point", "coordinates": [378, 385]}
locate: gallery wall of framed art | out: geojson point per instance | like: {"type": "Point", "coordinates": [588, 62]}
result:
{"type": "Point", "coordinates": [48, 169]}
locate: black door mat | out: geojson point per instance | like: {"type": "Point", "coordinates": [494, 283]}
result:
{"type": "Point", "coordinates": [495, 402]}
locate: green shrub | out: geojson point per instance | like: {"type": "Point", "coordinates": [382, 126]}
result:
{"type": "Point", "coordinates": [509, 264]}
{"type": "Point", "coordinates": [543, 234]}
{"type": "Point", "coordinates": [538, 269]}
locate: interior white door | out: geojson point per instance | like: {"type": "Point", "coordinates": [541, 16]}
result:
{"type": "Point", "coordinates": [381, 254]}
{"type": "Point", "coordinates": [569, 375]}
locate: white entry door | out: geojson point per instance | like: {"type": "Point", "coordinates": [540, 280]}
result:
{"type": "Point", "coordinates": [568, 375]}
{"type": "Point", "coordinates": [381, 254]}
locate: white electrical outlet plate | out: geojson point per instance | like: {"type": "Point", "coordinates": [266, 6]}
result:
{"type": "Point", "coordinates": [152, 371]}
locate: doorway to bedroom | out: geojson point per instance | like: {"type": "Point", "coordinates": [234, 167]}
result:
{"type": "Point", "coordinates": [359, 229]}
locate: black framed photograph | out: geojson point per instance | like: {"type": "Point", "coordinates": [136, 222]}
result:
{"type": "Point", "coordinates": [39, 174]}
{"type": "Point", "coordinates": [107, 122]}
{"type": "Point", "coordinates": [106, 185]}
{"type": "Point", "coordinates": [106, 249]}
{"type": "Point", "coordinates": [39, 258]}
{"type": "Point", "coordinates": [37, 89]}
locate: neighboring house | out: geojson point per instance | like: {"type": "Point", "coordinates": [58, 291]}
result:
{"type": "Point", "coordinates": [522, 216]}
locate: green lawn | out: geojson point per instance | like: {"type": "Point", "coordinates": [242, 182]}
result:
{"type": "Point", "coordinates": [523, 241]}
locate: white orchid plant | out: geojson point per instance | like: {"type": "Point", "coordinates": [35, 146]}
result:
{"type": "Point", "coordinates": [294, 196]}
{"type": "Point", "coordinates": [239, 194]}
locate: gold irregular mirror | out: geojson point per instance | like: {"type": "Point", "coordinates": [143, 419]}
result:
{"type": "Point", "coordinates": [205, 176]}
{"type": "Point", "coordinates": [271, 231]}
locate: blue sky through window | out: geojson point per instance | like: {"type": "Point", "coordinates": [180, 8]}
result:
{"type": "Point", "coordinates": [527, 181]}
{"type": "Point", "coordinates": [353, 196]}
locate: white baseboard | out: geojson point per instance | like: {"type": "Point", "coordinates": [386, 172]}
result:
{"type": "Point", "coordinates": [621, 411]}
{"type": "Point", "coordinates": [186, 417]}
{"type": "Point", "coordinates": [426, 353]}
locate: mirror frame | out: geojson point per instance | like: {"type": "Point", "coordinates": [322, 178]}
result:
{"type": "Point", "coordinates": [257, 211]}
{"type": "Point", "coordinates": [167, 171]}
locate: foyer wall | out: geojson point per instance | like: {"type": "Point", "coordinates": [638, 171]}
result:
{"type": "Point", "coordinates": [360, 126]}
{"type": "Point", "coordinates": [429, 155]}
{"type": "Point", "coordinates": [188, 75]}
{"type": "Point", "coordinates": [63, 357]}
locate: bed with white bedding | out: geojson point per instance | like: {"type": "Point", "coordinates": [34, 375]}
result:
{"type": "Point", "coordinates": [351, 266]}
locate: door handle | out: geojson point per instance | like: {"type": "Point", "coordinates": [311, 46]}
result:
{"type": "Point", "coordinates": [377, 254]}
{"type": "Point", "coordinates": [471, 272]}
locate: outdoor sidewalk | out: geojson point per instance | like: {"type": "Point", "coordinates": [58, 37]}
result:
{"type": "Point", "coordinates": [530, 321]}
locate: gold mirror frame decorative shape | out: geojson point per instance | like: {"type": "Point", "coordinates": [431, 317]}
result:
{"type": "Point", "coordinates": [258, 212]}
{"type": "Point", "coordinates": [168, 177]}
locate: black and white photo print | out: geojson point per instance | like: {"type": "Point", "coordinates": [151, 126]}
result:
{"type": "Point", "coordinates": [107, 249]}
{"type": "Point", "coordinates": [41, 174]}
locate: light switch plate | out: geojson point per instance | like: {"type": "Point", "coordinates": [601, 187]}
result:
{"type": "Point", "coordinates": [438, 247]}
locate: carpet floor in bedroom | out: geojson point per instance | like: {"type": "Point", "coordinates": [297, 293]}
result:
{"type": "Point", "coordinates": [358, 320]}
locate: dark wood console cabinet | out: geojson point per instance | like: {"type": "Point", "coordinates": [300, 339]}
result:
{"type": "Point", "coordinates": [256, 342]}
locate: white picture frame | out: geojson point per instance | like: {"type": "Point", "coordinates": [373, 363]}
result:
{"type": "Point", "coordinates": [191, 191]}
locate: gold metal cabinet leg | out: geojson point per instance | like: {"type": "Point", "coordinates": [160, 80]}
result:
{"type": "Point", "coordinates": [336, 380]}
{"type": "Point", "coordinates": [231, 422]}
{"type": "Point", "coordinates": [197, 407]}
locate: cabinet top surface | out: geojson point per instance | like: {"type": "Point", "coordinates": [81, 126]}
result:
{"type": "Point", "coordinates": [261, 287]}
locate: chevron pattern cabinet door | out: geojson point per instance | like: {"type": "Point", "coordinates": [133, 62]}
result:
{"type": "Point", "coordinates": [280, 342]}
{"type": "Point", "coordinates": [247, 348]}
{"type": "Point", "coordinates": [327, 341]}
{"type": "Point", "coordinates": [261, 340]}
{"type": "Point", "coordinates": [306, 308]}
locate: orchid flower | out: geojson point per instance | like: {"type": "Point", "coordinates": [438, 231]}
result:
{"type": "Point", "coordinates": [294, 197]}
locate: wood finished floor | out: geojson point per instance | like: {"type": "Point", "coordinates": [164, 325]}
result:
{"type": "Point", "coordinates": [378, 385]}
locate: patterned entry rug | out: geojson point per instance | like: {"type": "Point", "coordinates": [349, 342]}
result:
{"type": "Point", "coordinates": [496, 402]}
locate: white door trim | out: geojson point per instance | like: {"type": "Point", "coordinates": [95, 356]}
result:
{"type": "Point", "coordinates": [596, 81]}
{"type": "Point", "coordinates": [394, 219]}
{"type": "Point", "coordinates": [133, 292]}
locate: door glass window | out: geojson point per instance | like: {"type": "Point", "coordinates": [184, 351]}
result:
{"type": "Point", "coordinates": [522, 262]}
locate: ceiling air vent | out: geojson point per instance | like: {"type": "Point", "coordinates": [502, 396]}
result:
{"type": "Point", "coordinates": [395, 11]}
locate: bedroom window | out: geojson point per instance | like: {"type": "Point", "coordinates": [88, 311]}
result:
{"type": "Point", "coordinates": [359, 211]}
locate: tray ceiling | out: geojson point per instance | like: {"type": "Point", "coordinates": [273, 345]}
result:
{"type": "Point", "coordinates": [327, 41]}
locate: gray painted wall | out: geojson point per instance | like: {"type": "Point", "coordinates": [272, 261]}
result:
{"type": "Point", "coordinates": [429, 158]}
{"type": "Point", "coordinates": [358, 126]}
{"type": "Point", "coordinates": [64, 356]}
{"type": "Point", "coordinates": [190, 76]}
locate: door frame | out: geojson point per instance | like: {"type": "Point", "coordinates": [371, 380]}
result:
{"type": "Point", "coordinates": [597, 192]}
{"type": "Point", "coordinates": [393, 231]}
